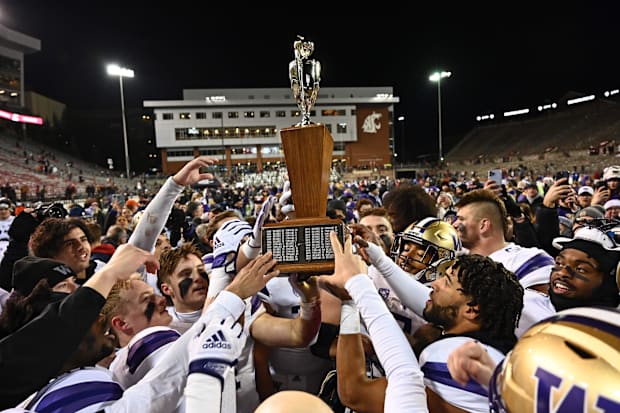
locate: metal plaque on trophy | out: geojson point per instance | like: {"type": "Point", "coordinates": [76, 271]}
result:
{"type": "Point", "coordinates": [302, 244]}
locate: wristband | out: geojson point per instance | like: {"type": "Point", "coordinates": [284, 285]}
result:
{"type": "Point", "coordinates": [349, 318]}
{"type": "Point", "coordinates": [327, 334]}
{"type": "Point", "coordinates": [249, 251]}
{"type": "Point", "coordinates": [213, 367]}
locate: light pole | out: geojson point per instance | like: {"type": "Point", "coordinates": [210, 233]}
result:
{"type": "Point", "coordinates": [401, 120]}
{"type": "Point", "coordinates": [121, 72]}
{"type": "Point", "coordinates": [436, 77]}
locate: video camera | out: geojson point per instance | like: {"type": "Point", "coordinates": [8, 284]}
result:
{"type": "Point", "coordinates": [51, 210]}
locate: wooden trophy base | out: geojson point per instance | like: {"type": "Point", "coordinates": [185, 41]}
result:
{"type": "Point", "coordinates": [302, 245]}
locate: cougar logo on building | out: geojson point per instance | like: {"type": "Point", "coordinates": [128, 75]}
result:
{"type": "Point", "coordinates": [371, 123]}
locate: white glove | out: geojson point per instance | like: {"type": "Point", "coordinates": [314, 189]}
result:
{"type": "Point", "coordinates": [286, 207]}
{"type": "Point", "coordinates": [252, 247]}
{"type": "Point", "coordinates": [226, 240]}
{"type": "Point", "coordinates": [376, 255]}
{"type": "Point", "coordinates": [216, 349]}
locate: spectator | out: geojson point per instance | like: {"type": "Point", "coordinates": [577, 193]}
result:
{"type": "Point", "coordinates": [611, 176]}
{"type": "Point", "coordinates": [6, 219]}
{"type": "Point", "coordinates": [584, 196]}
{"type": "Point", "coordinates": [68, 241]}
{"type": "Point", "coordinates": [532, 196]}
{"type": "Point", "coordinates": [612, 209]}
{"type": "Point", "coordinates": [408, 203]}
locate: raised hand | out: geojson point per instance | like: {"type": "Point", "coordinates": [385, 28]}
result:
{"type": "Point", "coordinates": [286, 204]}
{"type": "Point", "coordinates": [254, 276]}
{"type": "Point", "coordinates": [307, 289]}
{"type": "Point", "coordinates": [347, 264]}
{"type": "Point", "coordinates": [256, 240]}
{"type": "Point", "coordinates": [493, 186]}
{"type": "Point", "coordinates": [471, 361]}
{"type": "Point", "coordinates": [190, 173]}
{"type": "Point", "coordinates": [128, 258]}
{"type": "Point", "coordinates": [559, 190]}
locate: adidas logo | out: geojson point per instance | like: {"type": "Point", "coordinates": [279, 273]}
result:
{"type": "Point", "coordinates": [217, 340]}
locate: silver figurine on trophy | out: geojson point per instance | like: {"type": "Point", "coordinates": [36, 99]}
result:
{"type": "Point", "coordinates": [305, 75]}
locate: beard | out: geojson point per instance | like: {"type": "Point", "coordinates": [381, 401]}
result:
{"type": "Point", "coordinates": [441, 316]}
{"type": "Point", "coordinates": [605, 295]}
{"type": "Point", "coordinates": [90, 351]}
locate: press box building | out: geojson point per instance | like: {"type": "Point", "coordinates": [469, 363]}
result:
{"type": "Point", "coordinates": [241, 127]}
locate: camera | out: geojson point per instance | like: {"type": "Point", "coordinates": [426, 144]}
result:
{"type": "Point", "coordinates": [53, 210]}
{"type": "Point", "coordinates": [600, 184]}
{"type": "Point", "coordinates": [561, 175]}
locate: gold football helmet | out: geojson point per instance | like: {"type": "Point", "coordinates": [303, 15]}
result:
{"type": "Point", "coordinates": [437, 239]}
{"type": "Point", "coordinates": [567, 363]}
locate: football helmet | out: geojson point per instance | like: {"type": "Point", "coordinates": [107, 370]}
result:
{"type": "Point", "coordinates": [438, 240]}
{"type": "Point", "coordinates": [568, 362]}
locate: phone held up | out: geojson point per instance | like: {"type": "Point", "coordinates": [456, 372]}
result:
{"type": "Point", "coordinates": [496, 175]}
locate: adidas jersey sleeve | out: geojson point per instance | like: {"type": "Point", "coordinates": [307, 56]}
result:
{"type": "Point", "coordinates": [155, 215]}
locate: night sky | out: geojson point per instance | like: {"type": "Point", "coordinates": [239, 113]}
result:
{"type": "Point", "coordinates": [521, 55]}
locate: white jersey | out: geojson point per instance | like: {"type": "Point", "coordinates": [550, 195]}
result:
{"type": "Point", "coordinates": [5, 225]}
{"type": "Point", "coordinates": [292, 368]}
{"type": "Point", "coordinates": [536, 307]}
{"type": "Point", "coordinates": [86, 390]}
{"type": "Point", "coordinates": [188, 318]}
{"type": "Point", "coordinates": [142, 353]}
{"type": "Point", "coordinates": [532, 266]}
{"type": "Point", "coordinates": [247, 396]}
{"type": "Point", "coordinates": [407, 319]}
{"type": "Point", "coordinates": [472, 397]}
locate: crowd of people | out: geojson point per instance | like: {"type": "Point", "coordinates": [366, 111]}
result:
{"type": "Point", "coordinates": [446, 296]}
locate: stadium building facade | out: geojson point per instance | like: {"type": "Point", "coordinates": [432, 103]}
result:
{"type": "Point", "coordinates": [241, 127]}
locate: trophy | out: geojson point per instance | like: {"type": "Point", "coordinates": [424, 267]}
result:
{"type": "Point", "coordinates": [302, 244]}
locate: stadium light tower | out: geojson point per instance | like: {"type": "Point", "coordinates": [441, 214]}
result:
{"type": "Point", "coordinates": [121, 72]}
{"type": "Point", "coordinates": [436, 77]}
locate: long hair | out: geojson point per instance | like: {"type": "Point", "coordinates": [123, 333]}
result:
{"type": "Point", "coordinates": [20, 309]}
{"type": "Point", "coordinates": [495, 290]}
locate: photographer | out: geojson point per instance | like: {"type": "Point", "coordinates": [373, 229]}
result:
{"type": "Point", "coordinates": [22, 227]}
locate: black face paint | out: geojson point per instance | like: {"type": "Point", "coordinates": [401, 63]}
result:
{"type": "Point", "coordinates": [150, 309]}
{"type": "Point", "coordinates": [184, 286]}
{"type": "Point", "coordinates": [558, 267]}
